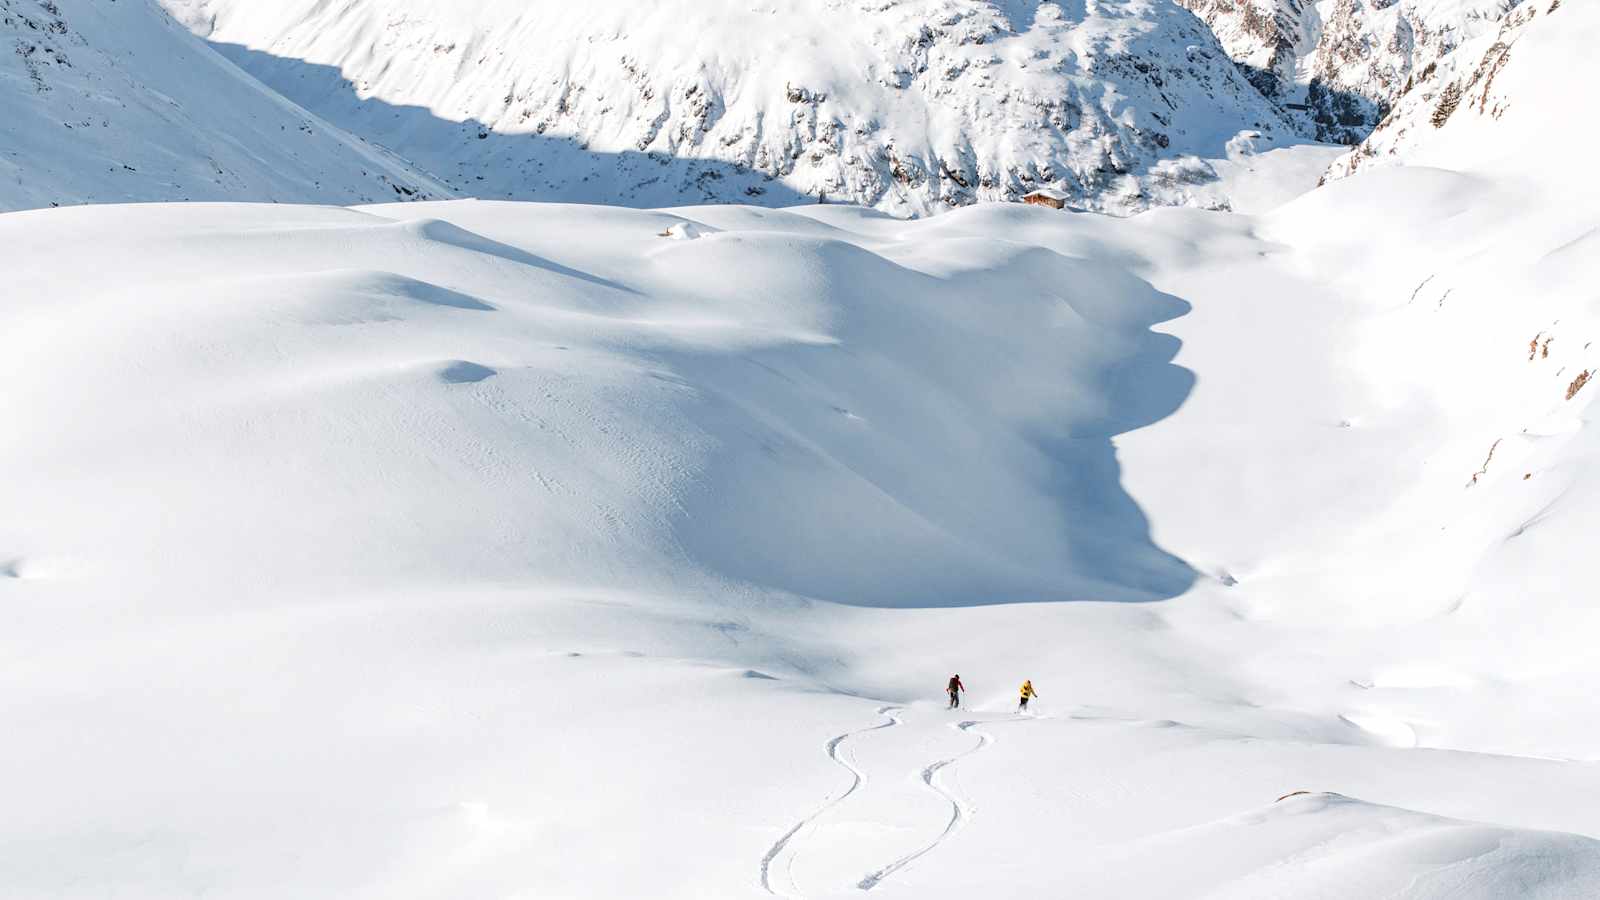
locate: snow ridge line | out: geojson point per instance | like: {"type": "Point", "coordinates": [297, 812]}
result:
{"type": "Point", "coordinates": [960, 810]}
{"type": "Point", "coordinates": [857, 776]}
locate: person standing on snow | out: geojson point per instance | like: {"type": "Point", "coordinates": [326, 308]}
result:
{"type": "Point", "coordinates": [1027, 691]}
{"type": "Point", "coordinates": [954, 689]}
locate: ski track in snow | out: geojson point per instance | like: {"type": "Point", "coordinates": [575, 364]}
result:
{"type": "Point", "coordinates": [960, 810]}
{"type": "Point", "coordinates": [858, 778]}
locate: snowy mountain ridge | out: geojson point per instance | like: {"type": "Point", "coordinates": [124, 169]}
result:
{"type": "Point", "coordinates": [911, 106]}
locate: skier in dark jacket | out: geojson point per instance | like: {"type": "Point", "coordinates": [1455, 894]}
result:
{"type": "Point", "coordinates": [954, 689]}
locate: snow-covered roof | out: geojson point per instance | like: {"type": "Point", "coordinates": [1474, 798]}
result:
{"type": "Point", "coordinates": [1047, 193]}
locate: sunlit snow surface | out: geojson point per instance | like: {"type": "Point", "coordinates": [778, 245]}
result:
{"type": "Point", "coordinates": [470, 549]}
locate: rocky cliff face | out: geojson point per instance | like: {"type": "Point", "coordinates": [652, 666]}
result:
{"type": "Point", "coordinates": [1266, 37]}
{"type": "Point", "coordinates": [1341, 64]}
{"type": "Point", "coordinates": [911, 106]}
{"type": "Point", "coordinates": [1457, 101]}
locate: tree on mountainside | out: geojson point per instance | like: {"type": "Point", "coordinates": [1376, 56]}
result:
{"type": "Point", "coordinates": [1448, 101]}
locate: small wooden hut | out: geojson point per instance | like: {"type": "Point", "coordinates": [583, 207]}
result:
{"type": "Point", "coordinates": [1046, 197]}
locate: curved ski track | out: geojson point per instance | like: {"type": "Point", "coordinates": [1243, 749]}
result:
{"type": "Point", "coordinates": [960, 810]}
{"type": "Point", "coordinates": [857, 777]}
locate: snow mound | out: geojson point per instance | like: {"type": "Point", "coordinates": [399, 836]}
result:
{"type": "Point", "coordinates": [683, 389]}
{"type": "Point", "coordinates": [1321, 844]}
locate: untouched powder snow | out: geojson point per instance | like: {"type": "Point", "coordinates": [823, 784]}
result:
{"type": "Point", "coordinates": [105, 101]}
{"type": "Point", "coordinates": [498, 549]}
{"type": "Point", "coordinates": [913, 106]}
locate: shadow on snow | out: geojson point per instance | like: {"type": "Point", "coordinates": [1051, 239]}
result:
{"type": "Point", "coordinates": [476, 161]}
{"type": "Point", "coordinates": [953, 447]}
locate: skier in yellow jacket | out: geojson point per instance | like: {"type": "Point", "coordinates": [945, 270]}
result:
{"type": "Point", "coordinates": [1027, 691]}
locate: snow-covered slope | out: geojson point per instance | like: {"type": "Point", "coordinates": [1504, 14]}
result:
{"type": "Point", "coordinates": [436, 549]}
{"type": "Point", "coordinates": [477, 549]}
{"type": "Point", "coordinates": [750, 374]}
{"type": "Point", "coordinates": [111, 101]}
{"type": "Point", "coordinates": [912, 106]}
{"type": "Point", "coordinates": [1346, 61]}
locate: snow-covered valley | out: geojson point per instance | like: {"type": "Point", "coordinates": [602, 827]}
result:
{"type": "Point", "coordinates": [467, 548]}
